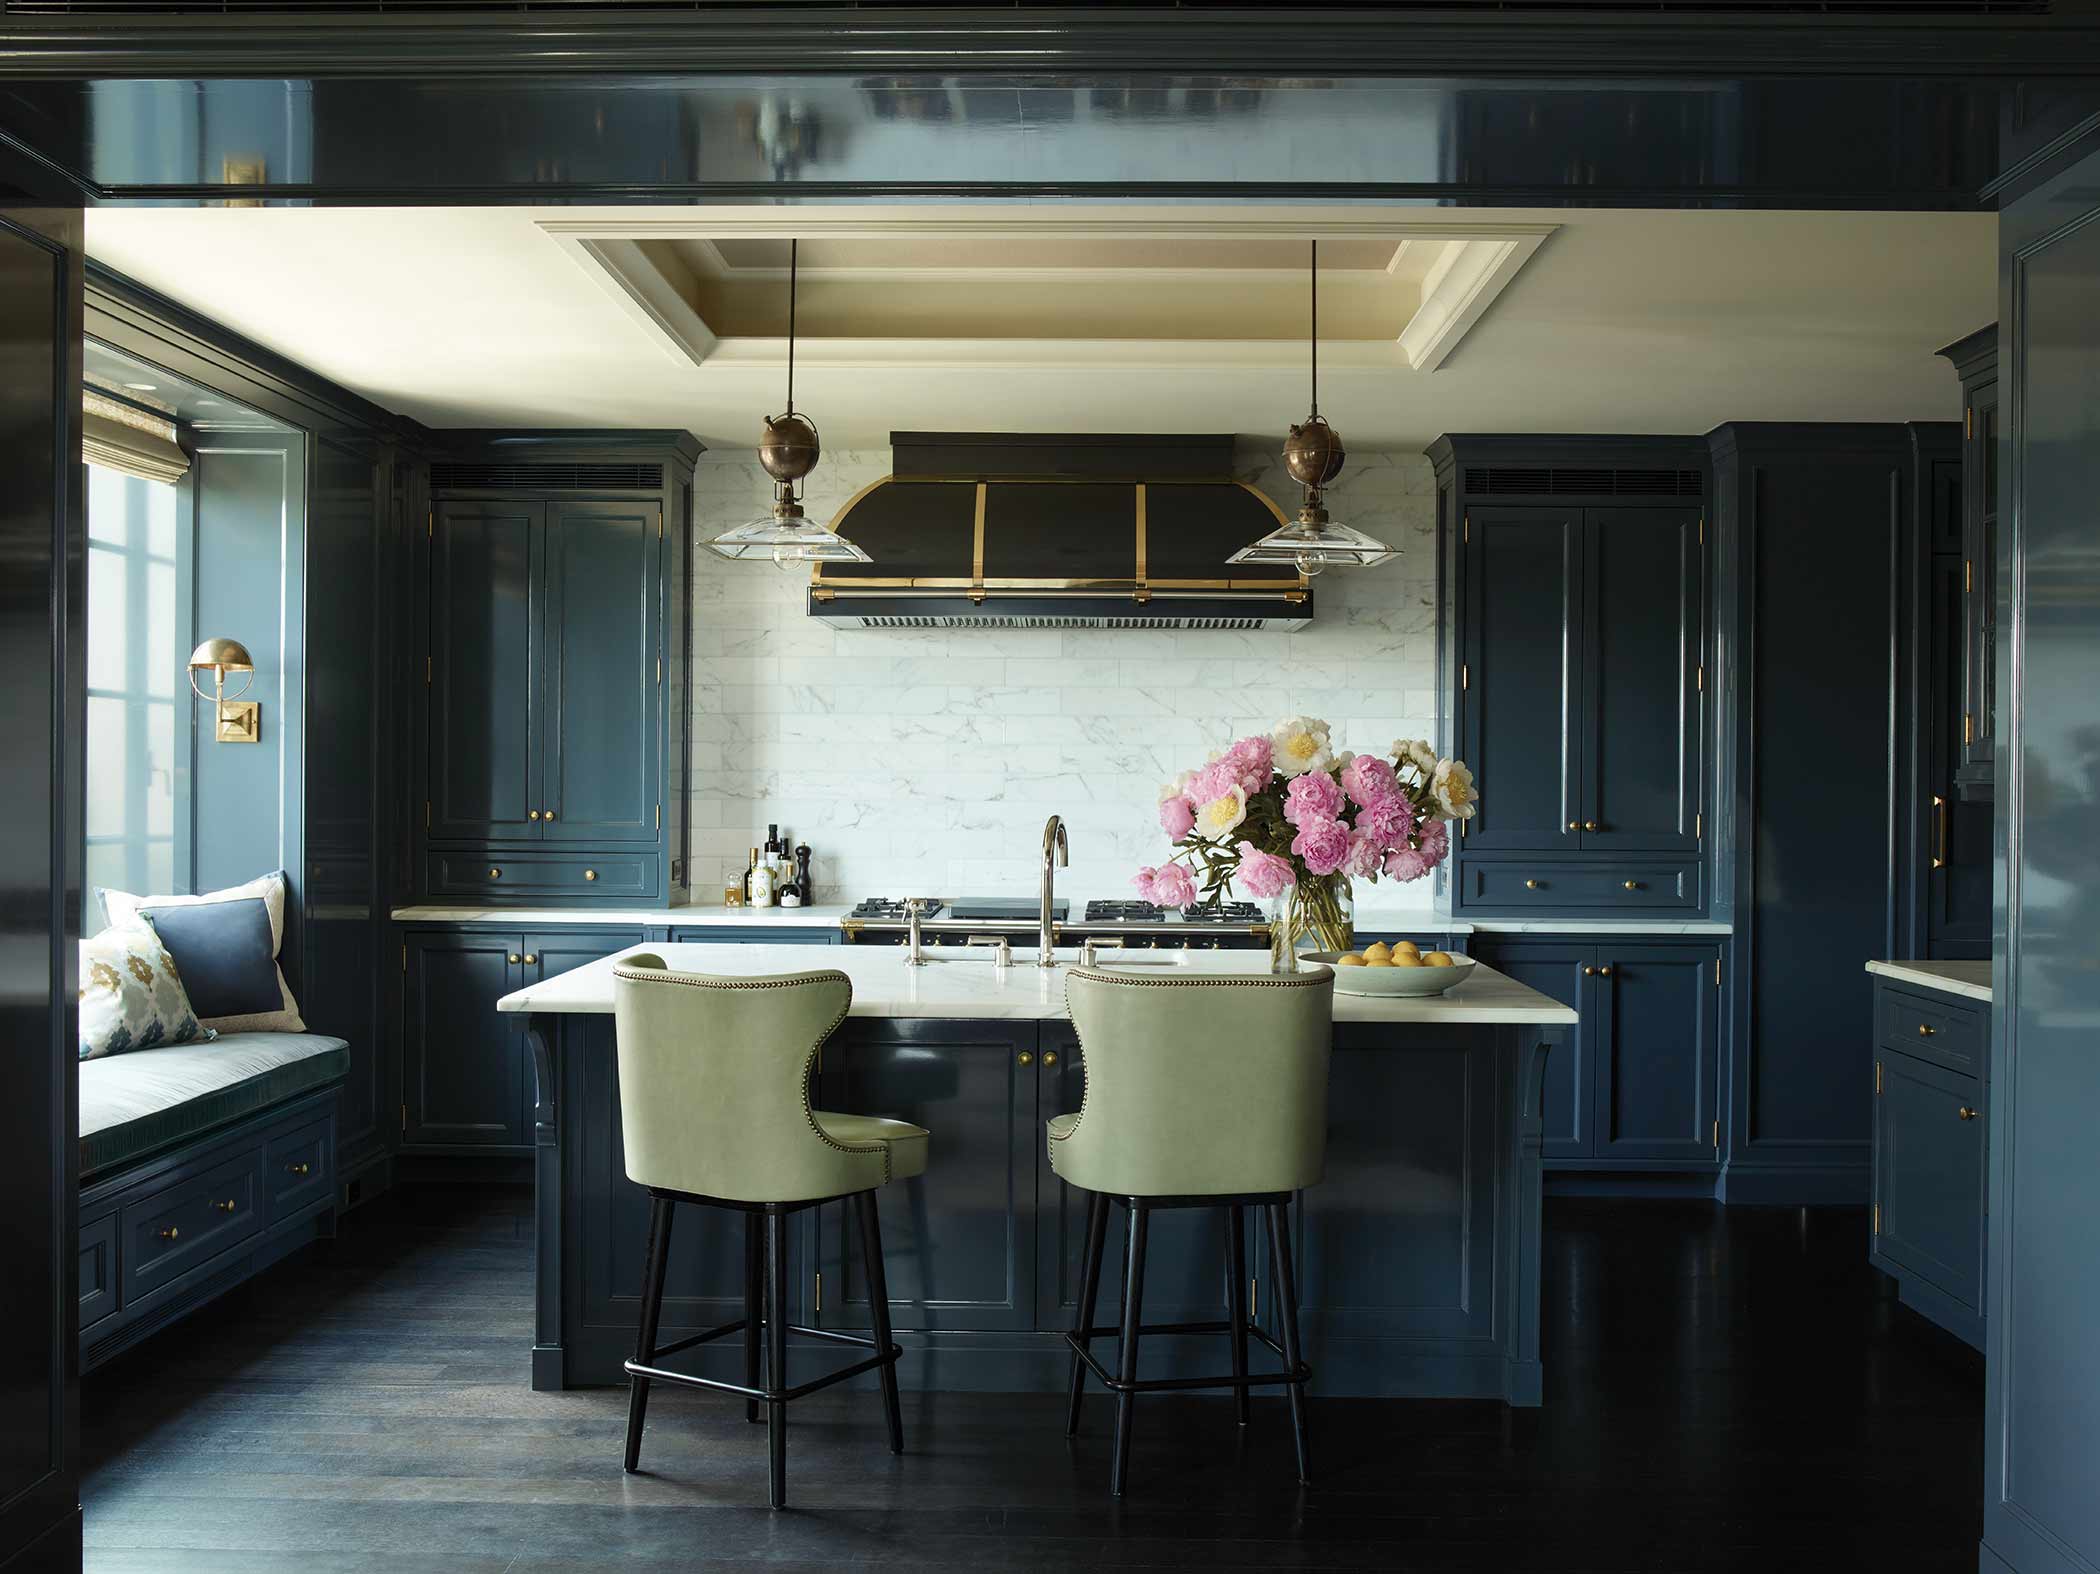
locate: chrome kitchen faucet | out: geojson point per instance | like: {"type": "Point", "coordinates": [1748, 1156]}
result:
{"type": "Point", "coordinates": [1056, 850]}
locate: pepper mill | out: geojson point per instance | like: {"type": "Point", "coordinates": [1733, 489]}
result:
{"type": "Point", "coordinates": [802, 884]}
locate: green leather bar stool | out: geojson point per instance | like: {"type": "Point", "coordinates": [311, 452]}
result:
{"type": "Point", "coordinates": [715, 1110]}
{"type": "Point", "coordinates": [1202, 1091]}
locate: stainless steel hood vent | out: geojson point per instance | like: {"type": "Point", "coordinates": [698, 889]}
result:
{"type": "Point", "coordinates": [1014, 530]}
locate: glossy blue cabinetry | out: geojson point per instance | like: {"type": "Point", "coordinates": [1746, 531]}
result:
{"type": "Point", "coordinates": [1578, 572]}
{"type": "Point", "coordinates": [1930, 1153]}
{"type": "Point", "coordinates": [1975, 362]}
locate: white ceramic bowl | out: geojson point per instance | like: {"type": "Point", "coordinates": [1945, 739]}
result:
{"type": "Point", "coordinates": [1395, 980]}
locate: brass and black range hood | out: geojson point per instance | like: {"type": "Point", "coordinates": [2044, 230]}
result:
{"type": "Point", "coordinates": [1063, 530]}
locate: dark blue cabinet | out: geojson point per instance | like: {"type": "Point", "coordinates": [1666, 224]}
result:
{"type": "Point", "coordinates": [1975, 361]}
{"type": "Point", "coordinates": [1564, 971]}
{"type": "Point", "coordinates": [482, 726]}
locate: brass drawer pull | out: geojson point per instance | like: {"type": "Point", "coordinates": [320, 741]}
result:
{"type": "Point", "coordinates": [1965, 1112]}
{"type": "Point", "coordinates": [301, 1168]}
{"type": "Point", "coordinates": [226, 1206]}
{"type": "Point", "coordinates": [1531, 885]}
{"type": "Point", "coordinates": [495, 873]}
{"type": "Point", "coordinates": [171, 1233]}
{"type": "Point", "coordinates": [1925, 1030]}
{"type": "Point", "coordinates": [1633, 885]}
{"type": "Point", "coordinates": [590, 874]}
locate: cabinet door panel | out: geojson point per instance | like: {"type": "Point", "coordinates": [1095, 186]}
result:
{"type": "Point", "coordinates": [959, 1241]}
{"type": "Point", "coordinates": [1958, 830]}
{"type": "Point", "coordinates": [1657, 1058]}
{"type": "Point", "coordinates": [549, 955]}
{"type": "Point", "coordinates": [1523, 673]}
{"type": "Point", "coordinates": [1980, 612]}
{"type": "Point", "coordinates": [1928, 1174]}
{"type": "Point", "coordinates": [463, 1066]}
{"type": "Point", "coordinates": [600, 632]}
{"type": "Point", "coordinates": [1185, 1248]}
{"type": "Point", "coordinates": [1558, 971]}
{"type": "Point", "coordinates": [1643, 638]}
{"type": "Point", "coordinates": [484, 767]}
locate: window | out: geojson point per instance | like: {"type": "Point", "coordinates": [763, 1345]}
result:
{"type": "Point", "coordinates": [138, 733]}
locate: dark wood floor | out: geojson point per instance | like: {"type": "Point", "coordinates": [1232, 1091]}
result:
{"type": "Point", "coordinates": [1726, 1389]}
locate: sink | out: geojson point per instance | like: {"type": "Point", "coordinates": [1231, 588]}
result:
{"type": "Point", "coordinates": [1142, 959]}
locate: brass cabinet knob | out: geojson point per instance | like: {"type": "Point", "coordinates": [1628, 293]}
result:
{"type": "Point", "coordinates": [590, 874]}
{"type": "Point", "coordinates": [1574, 825]}
{"type": "Point", "coordinates": [1965, 1112]}
{"type": "Point", "coordinates": [1589, 972]}
{"type": "Point", "coordinates": [1026, 1058]}
{"type": "Point", "coordinates": [171, 1234]}
{"type": "Point", "coordinates": [301, 1168]}
{"type": "Point", "coordinates": [1604, 971]}
{"type": "Point", "coordinates": [224, 1207]}
{"type": "Point", "coordinates": [1049, 1057]}
{"type": "Point", "coordinates": [1633, 885]}
{"type": "Point", "coordinates": [532, 814]}
{"type": "Point", "coordinates": [1531, 885]}
{"type": "Point", "coordinates": [531, 956]}
{"type": "Point", "coordinates": [514, 958]}
{"type": "Point", "coordinates": [495, 874]}
{"type": "Point", "coordinates": [546, 814]}
{"type": "Point", "coordinates": [1589, 825]}
{"type": "Point", "coordinates": [1925, 1030]}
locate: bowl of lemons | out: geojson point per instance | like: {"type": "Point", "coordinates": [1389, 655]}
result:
{"type": "Point", "coordinates": [1402, 968]}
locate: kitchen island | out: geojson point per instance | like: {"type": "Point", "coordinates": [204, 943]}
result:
{"type": "Point", "coordinates": [1419, 1254]}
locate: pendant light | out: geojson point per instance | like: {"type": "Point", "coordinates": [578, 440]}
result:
{"type": "Point", "coordinates": [788, 450]}
{"type": "Point", "coordinates": [1313, 455]}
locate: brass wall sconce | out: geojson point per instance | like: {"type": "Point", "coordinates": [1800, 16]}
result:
{"type": "Point", "coordinates": [238, 720]}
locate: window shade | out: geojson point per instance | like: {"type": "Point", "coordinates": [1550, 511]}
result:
{"type": "Point", "coordinates": [124, 438]}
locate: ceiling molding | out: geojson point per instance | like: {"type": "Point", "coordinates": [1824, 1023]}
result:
{"type": "Point", "coordinates": [640, 288]}
{"type": "Point", "coordinates": [1458, 289]}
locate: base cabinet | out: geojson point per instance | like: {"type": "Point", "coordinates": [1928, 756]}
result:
{"type": "Point", "coordinates": [1637, 1083]}
{"type": "Point", "coordinates": [1931, 1141]}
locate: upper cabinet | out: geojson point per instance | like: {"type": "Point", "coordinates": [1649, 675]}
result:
{"type": "Point", "coordinates": [1975, 361]}
{"type": "Point", "coordinates": [1580, 585]}
{"type": "Point", "coordinates": [555, 626]}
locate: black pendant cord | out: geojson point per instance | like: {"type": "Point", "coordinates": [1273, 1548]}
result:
{"type": "Point", "coordinates": [794, 258]}
{"type": "Point", "coordinates": [1315, 331]}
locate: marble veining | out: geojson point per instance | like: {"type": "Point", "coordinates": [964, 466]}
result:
{"type": "Point", "coordinates": [1970, 979]}
{"type": "Point", "coordinates": [814, 917]}
{"type": "Point", "coordinates": [973, 986]}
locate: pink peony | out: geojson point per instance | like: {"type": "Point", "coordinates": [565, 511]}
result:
{"type": "Point", "coordinates": [1311, 798]}
{"type": "Point", "coordinates": [1367, 779]}
{"type": "Point", "coordinates": [1388, 818]}
{"type": "Point", "coordinates": [1363, 857]}
{"type": "Point", "coordinates": [1404, 863]}
{"type": "Point", "coordinates": [1177, 817]}
{"type": "Point", "coordinates": [1254, 759]}
{"type": "Point", "coordinates": [1436, 842]}
{"type": "Point", "coordinates": [1323, 844]}
{"type": "Point", "coordinates": [1142, 883]}
{"type": "Point", "coordinates": [1263, 875]}
{"type": "Point", "coordinates": [1172, 887]}
{"type": "Point", "coordinates": [1214, 781]}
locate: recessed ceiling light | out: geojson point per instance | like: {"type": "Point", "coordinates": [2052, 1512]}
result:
{"type": "Point", "coordinates": [207, 404]}
{"type": "Point", "coordinates": [141, 387]}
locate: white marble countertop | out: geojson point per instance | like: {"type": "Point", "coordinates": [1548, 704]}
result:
{"type": "Point", "coordinates": [822, 915]}
{"type": "Point", "coordinates": [973, 986]}
{"type": "Point", "coordinates": [1592, 926]}
{"type": "Point", "coordinates": [1971, 979]}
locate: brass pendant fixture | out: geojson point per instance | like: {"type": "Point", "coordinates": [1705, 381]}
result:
{"type": "Point", "coordinates": [1313, 454]}
{"type": "Point", "coordinates": [788, 449]}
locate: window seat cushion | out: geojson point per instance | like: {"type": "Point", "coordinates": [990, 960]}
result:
{"type": "Point", "coordinates": [136, 1104]}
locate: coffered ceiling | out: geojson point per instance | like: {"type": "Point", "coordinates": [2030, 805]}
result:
{"type": "Point", "coordinates": [1057, 317]}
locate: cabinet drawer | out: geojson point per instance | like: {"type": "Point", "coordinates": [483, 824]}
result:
{"type": "Point", "coordinates": [298, 1170]}
{"type": "Point", "coordinates": [1947, 1032]}
{"type": "Point", "coordinates": [481, 872]}
{"type": "Point", "coordinates": [169, 1232]}
{"type": "Point", "coordinates": [98, 1269]}
{"type": "Point", "coordinates": [1627, 887]}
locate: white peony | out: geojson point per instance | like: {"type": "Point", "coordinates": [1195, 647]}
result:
{"type": "Point", "coordinates": [1417, 752]}
{"type": "Point", "coordinates": [1301, 745]}
{"type": "Point", "coordinates": [1175, 788]}
{"type": "Point", "coordinates": [1222, 815]}
{"type": "Point", "coordinates": [1452, 783]}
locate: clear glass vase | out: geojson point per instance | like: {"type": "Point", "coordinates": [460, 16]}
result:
{"type": "Point", "coordinates": [1313, 915]}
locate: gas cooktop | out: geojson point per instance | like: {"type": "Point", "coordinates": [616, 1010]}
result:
{"type": "Point", "coordinates": [963, 909]}
{"type": "Point", "coordinates": [1153, 913]}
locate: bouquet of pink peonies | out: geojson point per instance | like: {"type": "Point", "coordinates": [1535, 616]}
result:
{"type": "Point", "coordinates": [1289, 817]}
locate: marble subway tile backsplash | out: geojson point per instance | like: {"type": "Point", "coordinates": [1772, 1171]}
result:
{"type": "Point", "coordinates": [922, 762]}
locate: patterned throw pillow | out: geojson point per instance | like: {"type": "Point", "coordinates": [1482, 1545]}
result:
{"type": "Point", "coordinates": [131, 997]}
{"type": "Point", "coordinates": [123, 908]}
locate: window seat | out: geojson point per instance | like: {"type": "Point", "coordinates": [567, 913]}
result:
{"type": "Point", "coordinates": [141, 1103]}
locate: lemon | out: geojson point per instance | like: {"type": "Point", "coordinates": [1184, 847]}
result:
{"type": "Point", "coordinates": [1376, 950]}
{"type": "Point", "coordinates": [1406, 959]}
{"type": "Point", "coordinates": [1350, 960]}
{"type": "Point", "coordinates": [1409, 947]}
{"type": "Point", "coordinates": [1379, 961]}
{"type": "Point", "coordinates": [1437, 959]}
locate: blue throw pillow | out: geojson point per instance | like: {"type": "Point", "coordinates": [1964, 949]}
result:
{"type": "Point", "coordinates": [224, 952]}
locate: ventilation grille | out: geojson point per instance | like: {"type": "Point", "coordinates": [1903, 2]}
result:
{"type": "Point", "coordinates": [1554, 481]}
{"type": "Point", "coordinates": [548, 477]}
{"type": "Point", "coordinates": [1779, 7]}
{"type": "Point", "coordinates": [1061, 621]}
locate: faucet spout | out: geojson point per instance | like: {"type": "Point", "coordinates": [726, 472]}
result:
{"type": "Point", "coordinates": [1056, 850]}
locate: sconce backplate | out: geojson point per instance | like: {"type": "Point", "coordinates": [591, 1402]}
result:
{"type": "Point", "coordinates": [240, 721]}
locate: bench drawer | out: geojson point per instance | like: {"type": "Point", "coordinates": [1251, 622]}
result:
{"type": "Point", "coordinates": [1595, 888]}
{"type": "Point", "coordinates": [480, 872]}
{"type": "Point", "coordinates": [168, 1232]}
{"type": "Point", "coordinates": [299, 1169]}
{"type": "Point", "coordinates": [98, 1270]}
{"type": "Point", "coordinates": [1949, 1032]}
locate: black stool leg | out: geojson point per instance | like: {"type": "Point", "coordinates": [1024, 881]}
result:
{"type": "Point", "coordinates": [1089, 1296]}
{"type": "Point", "coordinates": [1127, 1349]}
{"type": "Point", "coordinates": [658, 1249]}
{"type": "Point", "coordinates": [776, 1352]}
{"type": "Point", "coordinates": [1236, 1304]}
{"type": "Point", "coordinates": [754, 1303]}
{"type": "Point", "coordinates": [879, 1305]}
{"type": "Point", "coordinates": [1287, 1314]}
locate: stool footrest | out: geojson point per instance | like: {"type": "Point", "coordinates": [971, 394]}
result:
{"type": "Point", "coordinates": [663, 1374]}
{"type": "Point", "coordinates": [1295, 1374]}
{"type": "Point", "coordinates": [690, 1340]}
